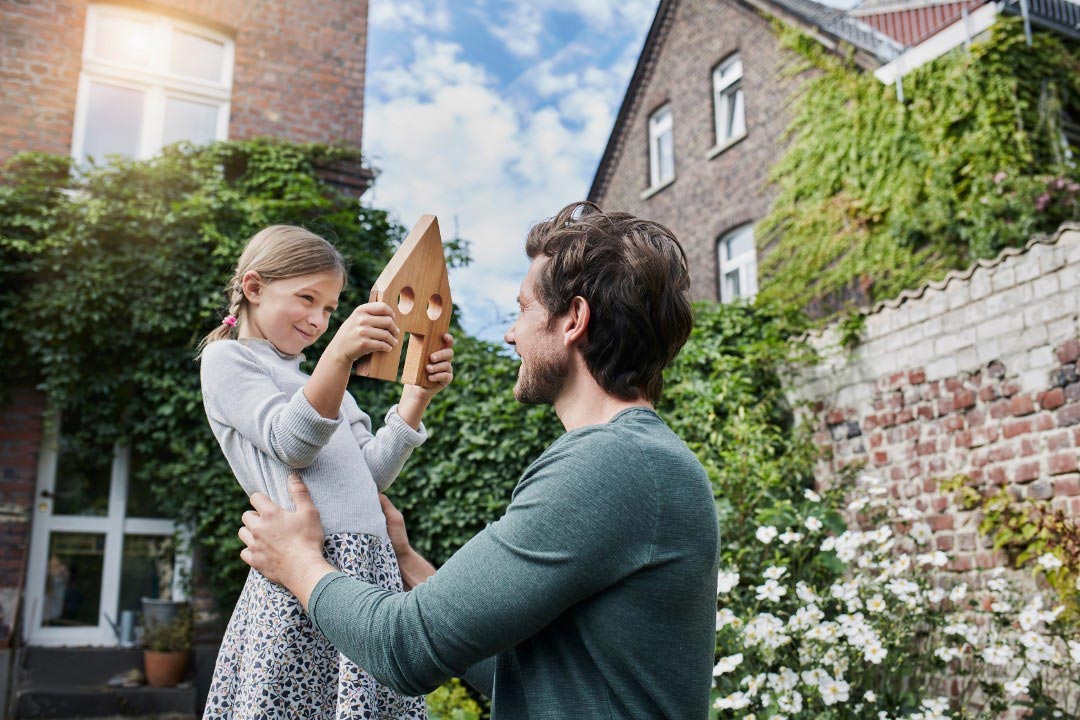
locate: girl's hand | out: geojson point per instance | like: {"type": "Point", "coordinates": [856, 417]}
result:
{"type": "Point", "coordinates": [440, 370]}
{"type": "Point", "coordinates": [370, 328]}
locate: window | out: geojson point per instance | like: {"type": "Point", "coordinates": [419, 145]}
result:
{"type": "Point", "coordinates": [728, 100]}
{"type": "Point", "coordinates": [738, 264]}
{"type": "Point", "coordinates": [661, 148]}
{"type": "Point", "coordinates": [147, 81]}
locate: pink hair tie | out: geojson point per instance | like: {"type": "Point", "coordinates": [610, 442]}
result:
{"type": "Point", "coordinates": [229, 320]}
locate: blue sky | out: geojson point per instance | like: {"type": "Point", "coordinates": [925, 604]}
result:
{"type": "Point", "coordinates": [493, 115]}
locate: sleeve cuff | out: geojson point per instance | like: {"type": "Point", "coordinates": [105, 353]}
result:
{"type": "Point", "coordinates": [403, 431]}
{"type": "Point", "coordinates": [307, 424]}
{"type": "Point", "coordinates": [313, 602]}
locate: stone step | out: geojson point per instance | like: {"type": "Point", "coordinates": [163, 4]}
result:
{"type": "Point", "coordinates": [71, 701]}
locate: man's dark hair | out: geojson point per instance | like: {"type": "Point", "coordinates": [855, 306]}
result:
{"type": "Point", "coordinates": [634, 275]}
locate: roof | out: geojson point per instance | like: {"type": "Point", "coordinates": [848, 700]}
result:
{"type": "Point", "coordinates": [829, 25]}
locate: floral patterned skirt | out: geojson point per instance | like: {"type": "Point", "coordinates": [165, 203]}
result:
{"type": "Point", "coordinates": [273, 663]}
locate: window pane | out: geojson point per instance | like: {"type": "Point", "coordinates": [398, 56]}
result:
{"type": "Point", "coordinates": [187, 120]}
{"type": "Point", "coordinates": [737, 123]}
{"type": "Point", "coordinates": [728, 72]}
{"type": "Point", "coordinates": [83, 475]}
{"type": "Point", "coordinates": [666, 156]}
{"type": "Point", "coordinates": [731, 285]}
{"type": "Point", "coordinates": [738, 243]}
{"type": "Point", "coordinates": [146, 570]}
{"type": "Point", "coordinates": [73, 580]}
{"type": "Point", "coordinates": [659, 119]}
{"type": "Point", "coordinates": [113, 121]}
{"type": "Point", "coordinates": [196, 56]}
{"type": "Point", "coordinates": [122, 40]}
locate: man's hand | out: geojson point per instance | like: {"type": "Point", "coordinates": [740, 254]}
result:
{"type": "Point", "coordinates": [414, 568]}
{"type": "Point", "coordinates": [286, 547]}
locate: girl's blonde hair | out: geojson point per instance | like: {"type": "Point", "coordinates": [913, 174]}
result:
{"type": "Point", "coordinates": [275, 253]}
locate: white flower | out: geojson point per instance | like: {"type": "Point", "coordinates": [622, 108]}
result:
{"type": "Point", "coordinates": [998, 585]}
{"type": "Point", "coordinates": [734, 701]}
{"type": "Point", "coordinates": [908, 513]}
{"type": "Point", "coordinates": [874, 654]}
{"type": "Point", "coordinates": [786, 680]}
{"type": "Point", "coordinates": [936, 558]}
{"type": "Point", "coordinates": [1017, 687]}
{"type": "Point", "coordinates": [805, 593]}
{"type": "Point", "coordinates": [935, 596]}
{"type": "Point", "coordinates": [1050, 561]}
{"type": "Point", "coordinates": [998, 654]}
{"type": "Point", "coordinates": [876, 604]}
{"type": "Point", "coordinates": [811, 496]}
{"type": "Point", "coordinates": [725, 581]}
{"type": "Point", "coordinates": [828, 544]}
{"type": "Point", "coordinates": [869, 696]}
{"type": "Point", "coordinates": [921, 533]}
{"type": "Point", "coordinates": [771, 591]}
{"type": "Point", "coordinates": [790, 537]}
{"type": "Point", "coordinates": [766, 534]}
{"type": "Point", "coordinates": [833, 691]}
{"type": "Point", "coordinates": [813, 524]}
{"type": "Point", "coordinates": [958, 593]}
{"type": "Point", "coordinates": [725, 617]}
{"type": "Point", "coordinates": [790, 703]}
{"type": "Point", "coordinates": [857, 505]}
{"type": "Point", "coordinates": [774, 572]}
{"type": "Point", "coordinates": [753, 683]}
{"type": "Point", "coordinates": [805, 617]}
{"type": "Point", "coordinates": [814, 677]}
{"type": "Point", "coordinates": [1000, 607]}
{"type": "Point", "coordinates": [948, 654]}
{"type": "Point", "coordinates": [937, 707]}
{"type": "Point", "coordinates": [727, 664]}
{"type": "Point", "coordinates": [1074, 651]}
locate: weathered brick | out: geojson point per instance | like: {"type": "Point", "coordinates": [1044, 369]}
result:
{"type": "Point", "coordinates": [1042, 490]}
{"type": "Point", "coordinates": [963, 399]}
{"type": "Point", "coordinates": [1068, 352]}
{"type": "Point", "coordinates": [1021, 405]}
{"type": "Point", "coordinates": [1052, 399]}
{"type": "Point", "coordinates": [1014, 428]}
{"type": "Point", "coordinates": [1068, 415]}
{"type": "Point", "coordinates": [1061, 463]}
{"type": "Point", "coordinates": [1067, 485]}
{"type": "Point", "coordinates": [1025, 472]}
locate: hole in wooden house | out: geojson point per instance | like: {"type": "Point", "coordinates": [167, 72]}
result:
{"type": "Point", "coordinates": [434, 307]}
{"type": "Point", "coordinates": [405, 300]}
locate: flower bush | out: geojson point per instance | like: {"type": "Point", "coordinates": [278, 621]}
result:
{"type": "Point", "coordinates": [891, 634]}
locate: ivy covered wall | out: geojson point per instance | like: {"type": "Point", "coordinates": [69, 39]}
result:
{"type": "Point", "coordinates": [878, 195]}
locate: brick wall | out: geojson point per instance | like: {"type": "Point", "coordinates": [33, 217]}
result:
{"type": "Point", "coordinates": [21, 426]}
{"type": "Point", "coordinates": [976, 375]}
{"type": "Point", "coordinates": [299, 67]}
{"type": "Point", "coordinates": [710, 196]}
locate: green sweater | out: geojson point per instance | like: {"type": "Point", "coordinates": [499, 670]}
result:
{"type": "Point", "coordinates": [596, 590]}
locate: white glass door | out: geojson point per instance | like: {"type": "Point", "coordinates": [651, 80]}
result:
{"type": "Point", "coordinates": [96, 548]}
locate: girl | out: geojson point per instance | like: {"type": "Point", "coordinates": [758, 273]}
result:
{"type": "Point", "coordinates": [269, 417]}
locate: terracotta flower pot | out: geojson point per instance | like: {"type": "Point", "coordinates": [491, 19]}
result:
{"type": "Point", "coordinates": [165, 669]}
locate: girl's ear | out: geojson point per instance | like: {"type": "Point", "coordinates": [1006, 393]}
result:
{"type": "Point", "coordinates": [251, 284]}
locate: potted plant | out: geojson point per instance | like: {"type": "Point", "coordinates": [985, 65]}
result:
{"type": "Point", "coordinates": [166, 648]}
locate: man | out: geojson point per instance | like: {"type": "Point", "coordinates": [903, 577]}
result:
{"type": "Point", "coordinates": [594, 595]}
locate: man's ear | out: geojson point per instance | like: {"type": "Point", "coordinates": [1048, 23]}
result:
{"type": "Point", "coordinates": [251, 284]}
{"type": "Point", "coordinates": [576, 324]}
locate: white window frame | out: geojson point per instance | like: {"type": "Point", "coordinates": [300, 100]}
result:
{"type": "Point", "coordinates": [114, 525]}
{"type": "Point", "coordinates": [745, 264]}
{"type": "Point", "coordinates": [725, 85]}
{"type": "Point", "coordinates": [661, 122]}
{"type": "Point", "coordinates": [155, 80]}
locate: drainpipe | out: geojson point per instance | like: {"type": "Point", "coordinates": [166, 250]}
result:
{"type": "Point", "coordinates": [1024, 12]}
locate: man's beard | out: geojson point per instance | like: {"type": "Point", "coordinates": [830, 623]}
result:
{"type": "Point", "coordinates": [541, 380]}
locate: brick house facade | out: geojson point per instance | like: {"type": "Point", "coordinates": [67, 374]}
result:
{"type": "Point", "coordinates": [284, 68]}
{"type": "Point", "coordinates": [719, 184]}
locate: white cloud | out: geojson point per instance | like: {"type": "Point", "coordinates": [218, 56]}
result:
{"type": "Point", "coordinates": [451, 142]}
{"type": "Point", "coordinates": [519, 29]}
{"type": "Point", "coordinates": [410, 15]}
